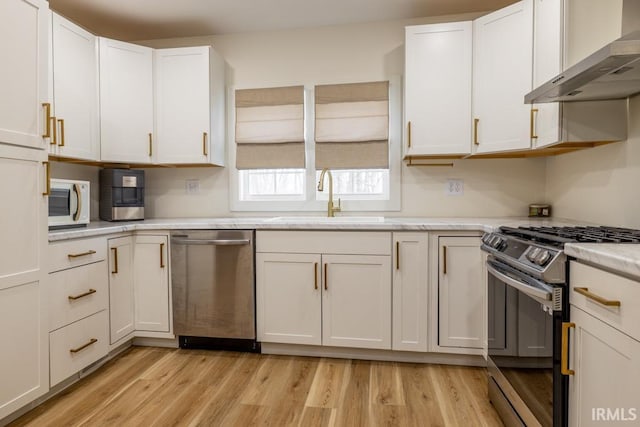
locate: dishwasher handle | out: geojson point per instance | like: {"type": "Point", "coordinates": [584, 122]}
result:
{"type": "Point", "coordinates": [211, 242]}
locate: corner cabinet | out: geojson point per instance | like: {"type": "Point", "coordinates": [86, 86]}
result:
{"type": "Point", "coordinates": [24, 367]}
{"type": "Point", "coordinates": [324, 288]}
{"type": "Point", "coordinates": [438, 89]}
{"type": "Point", "coordinates": [121, 293]}
{"type": "Point", "coordinates": [502, 75]}
{"type": "Point", "coordinates": [189, 106]}
{"type": "Point", "coordinates": [151, 282]}
{"type": "Point", "coordinates": [410, 291]}
{"type": "Point", "coordinates": [76, 132]}
{"type": "Point", "coordinates": [458, 295]}
{"type": "Point", "coordinates": [126, 102]}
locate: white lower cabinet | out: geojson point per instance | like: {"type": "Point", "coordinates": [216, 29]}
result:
{"type": "Point", "coordinates": [151, 282]}
{"type": "Point", "coordinates": [606, 362]}
{"type": "Point", "coordinates": [306, 297]}
{"type": "Point", "coordinates": [410, 291]}
{"type": "Point", "coordinates": [460, 293]}
{"type": "Point", "coordinates": [121, 295]}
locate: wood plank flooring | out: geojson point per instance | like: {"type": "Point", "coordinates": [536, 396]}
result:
{"type": "Point", "coordinates": [148, 386]}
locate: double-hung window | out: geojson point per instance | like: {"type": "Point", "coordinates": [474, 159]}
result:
{"type": "Point", "coordinates": [283, 138]}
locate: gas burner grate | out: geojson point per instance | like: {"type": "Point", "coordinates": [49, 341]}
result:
{"type": "Point", "coordinates": [583, 234]}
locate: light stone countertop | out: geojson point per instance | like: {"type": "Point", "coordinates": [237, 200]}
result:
{"type": "Point", "coordinates": [623, 258]}
{"type": "Point", "coordinates": [98, 228]}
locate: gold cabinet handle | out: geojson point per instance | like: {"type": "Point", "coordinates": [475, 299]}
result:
{"type": "Point", "coordinates": [444, 260]}
{"type": "Point", "coordinates": [86, 294]}
{"type": "Point", "coordinates": [315, 275]}
{"type": "Point", "coordinates": [54, 138]}
{"type": "Point", "coordinates": [532, 130]}
{"type": "Point", "coordinates": [397, 255]}
{"type": "Point", "coordinates": [47, 120]}
{"type": "Point", "coordinates": [61, 123]}
{"type": "Point", "coordinates": [409, 134]}
{"type": "Point", "coordinates": [564, 355]}
{"type": "Point", "coordinates": [597, 298]}
{"type": "Point", "coordinates": [89, 252]}
{"type": "Point", "coordinates": [162, 255]}
{"type": "Point", "coordinates": [47, 186]}
{"type": "Point", "coordinates": [326, 278]}
{"type": "Point", "coordinates": [150, 144]}
{"type": "Point", "coordinates": [204, 144]}
{"type": "Point", "coordinates": [475, 131]}
{"type": "Point", "coordinates": [82, 347]}
{"type": "Point", "coordinates": [115, 261]}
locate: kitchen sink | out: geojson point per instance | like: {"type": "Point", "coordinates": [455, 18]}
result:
{"type": "Point", "coordinates": [326, 220]}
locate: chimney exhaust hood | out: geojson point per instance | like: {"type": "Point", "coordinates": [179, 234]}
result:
{"type": "Point", "coordinates": [612, 72]}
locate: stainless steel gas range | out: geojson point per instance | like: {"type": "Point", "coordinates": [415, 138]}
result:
{"type": "Point", "coordinates": [527, 306]}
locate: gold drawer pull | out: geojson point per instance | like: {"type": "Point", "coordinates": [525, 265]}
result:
{"type": "Point", "coordinates": [475, 131]}
{"type": "Point", "coordinates": [162, 255]}
{"type": "Point", "coordinates": [315, 275]}
{"type": "Point", "coordinates": [597, 298]}
{"type": "Point", "coordinates": [532, 130]}
{"type": "Point", "coordinates": [204, 144]}
{"type": "Point", "coordinates": [564, 355]}
{"type": "Point", "coordinates": [326, 278]}
{"type": "Point", "coordinates": [61, 122]}
{"type": "Point", "coordinates": [47, 120]}
{"type": "Point", "coordinates": [444, 260]}
{"type": "Point", "coordinates": [397, 255]}
{"type": "Point", "coordinates": [409, 134]}
{"type": "Point", "coordinates": [115, 261]}
{"type": "Point", "coordinates": [90, 252]}
{"type": "Point", "coordinates": [47, 185]}
{"type": "Point", "coordinates": [82, 347]}
{"type": "Point", "coordinates": [86, 294]}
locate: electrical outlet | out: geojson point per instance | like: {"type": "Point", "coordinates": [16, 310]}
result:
{"type": "Point", "coordinates": [192, 186]}
{"type": "Point", "coordinates": [454, 187]}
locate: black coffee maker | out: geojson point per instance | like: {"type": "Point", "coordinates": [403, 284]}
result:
{"type": "Point", "coordinates": [121, 194]}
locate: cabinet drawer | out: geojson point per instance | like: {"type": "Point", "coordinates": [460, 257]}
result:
{"type": "Point", "coordinates": [73, 253]}
{"type": "Point", "coordinates": [77, 293]}
{"type": "Point", "coordinates": [327, 242]}
{"type": "Point", "coordinates": [78, 345]}
{"type": "Point", "coordinates": [610, 287]}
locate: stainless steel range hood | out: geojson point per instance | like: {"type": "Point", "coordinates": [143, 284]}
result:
{"type": "Point", "coordinates": [612, 72]}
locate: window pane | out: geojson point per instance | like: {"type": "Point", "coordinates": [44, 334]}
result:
{"type": "Point", "coordinates": [358, 184]}
{"type": "Point", "coordinates": [272, 184]}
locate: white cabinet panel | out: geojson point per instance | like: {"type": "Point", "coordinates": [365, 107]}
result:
{"type": "Point", "coordinates": [121, 294]}
{"type": "Point", "coordinates": [24, 36]}
{"type": "Point", "coordinates": [126, 102]}
{"type": "Point", "coordinates": [75, 91]}
{"type": "Point", "coordinates": [151, 278]}
{"type": "Point", "coordinates": [438, 88]}
{"type": "Point", "coordinates": [410, 292]}
{"type": "Point", "coordinates": [288, 298]}
{"type": "Point", "coordinates": [461, 294]}
{"type": "Point", "coordinates": [356, 303]}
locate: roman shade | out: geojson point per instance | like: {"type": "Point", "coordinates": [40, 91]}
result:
{"type": "Point", "coordinates": [270, 128]}
{"type": "Point", "coordinates": [352, 126]}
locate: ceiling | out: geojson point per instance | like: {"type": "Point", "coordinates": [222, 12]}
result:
{"type": "Point", "coordinates": [155, 19]}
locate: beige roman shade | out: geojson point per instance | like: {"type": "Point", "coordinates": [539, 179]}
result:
{"type": "Point", "coordinates": [352, 126]}
{"type": "Point", "coordinates": [270, 128]}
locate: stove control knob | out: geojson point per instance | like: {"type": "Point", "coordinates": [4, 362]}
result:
{"type": "Point", "coordinates": [533, 254]}
{"type": "Point", "coordinates": [495, 242]}
{"type": "Point", "coordinates": [543, 257]}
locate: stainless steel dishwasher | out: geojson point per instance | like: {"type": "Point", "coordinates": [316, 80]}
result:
{"type": "Point", "coordinates": [213, 282]}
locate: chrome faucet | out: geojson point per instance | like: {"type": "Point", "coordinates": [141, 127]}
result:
{"type": "Point", "coordinates": [331, 209]}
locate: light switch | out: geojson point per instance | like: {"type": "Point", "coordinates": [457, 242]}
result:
{"type": "Point", "coordinates": [192, 186]}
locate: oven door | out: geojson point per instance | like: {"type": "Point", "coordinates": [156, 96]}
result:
{"type": "Point", "coordinates": [524, 323]}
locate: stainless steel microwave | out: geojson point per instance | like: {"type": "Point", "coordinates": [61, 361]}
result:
{"type": "Point", "coordinates": [69, 202]}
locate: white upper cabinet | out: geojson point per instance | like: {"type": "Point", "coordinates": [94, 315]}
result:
{"type": "Point", "coordinates": [23, 74]}
{"type": "Point", "coordinates": [75, 91]}
{"type": "Point", "coordinates": [189, 105]}
{"type": "Point", "coordinates": [126, 102]}
{"type": "Point", "coordinates": [502, 75]}
{"type": "Point", "coordinates": [438, 89]}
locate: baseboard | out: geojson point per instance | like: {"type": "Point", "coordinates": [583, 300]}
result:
{"type": "Point", "coordinates": [156, 342]}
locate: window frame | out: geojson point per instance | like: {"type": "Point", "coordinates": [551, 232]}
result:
{"type": "Point", "coordinates": [310, 203]}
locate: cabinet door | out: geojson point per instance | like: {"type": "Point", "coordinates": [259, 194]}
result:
{"type": "Point", "coordinates": [126, 102]}
{"type": "Point", "coordinates": [410, 291]}
{"type": "Point", "coordinates": [502, 59]}
{"type": "Point", "coordinates": [460, 292]}
{"type": "Point", "coordinates": [288, 298]}
{"type": "Point", "coordinates": [24, 368]}
{"type": "Point", "coordinates": [356, 301]}
{"type": "Point", "coordinates": [547, 63]}
{"type": "Point", "coordinates": [151, 282]}
{"type": "Point", "coordinates": [182, 104]}
{"type": "Point", "coordinates": [75, 90]}
{"type": "Point", "coordinates": [121, 295]}
{"type": "Point", "coordinates": [23, 74]}
{"type": "Point", "coordinates": [607, 373]}
{"type": "Point", "coordinates": [438, 88]}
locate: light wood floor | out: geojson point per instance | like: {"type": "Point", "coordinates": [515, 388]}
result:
{"type": "Point", "coordinates": [165, 387]}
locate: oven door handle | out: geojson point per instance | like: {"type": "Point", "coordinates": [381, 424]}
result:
{"type": "Point", "coordinates": [521, 286]}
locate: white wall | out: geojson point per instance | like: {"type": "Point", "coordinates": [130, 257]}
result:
{"type": "Point", "coordinates": [600, 185]}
